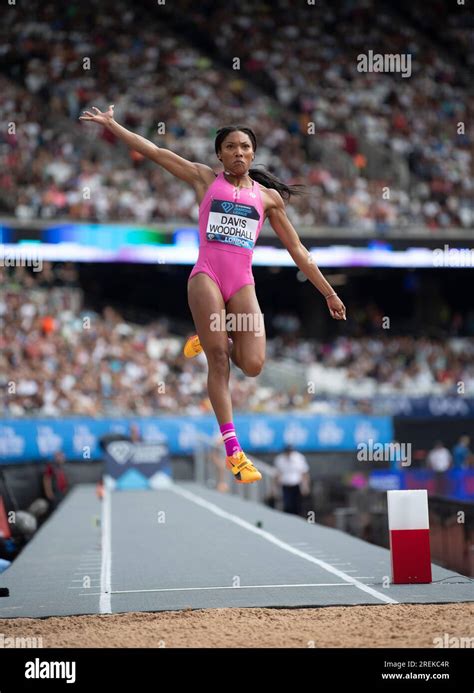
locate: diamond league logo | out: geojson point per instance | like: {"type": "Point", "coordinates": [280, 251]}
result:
{"type": "Point", "coordinates": [227, 206]}
{"type": "Point", "coordinates": [120, 450]}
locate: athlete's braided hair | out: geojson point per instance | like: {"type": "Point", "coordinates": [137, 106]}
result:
{"type": "Point", "coordinates": [264, 177]}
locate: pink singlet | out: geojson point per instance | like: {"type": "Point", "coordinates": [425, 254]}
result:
{"type": "Point", "coordinates": [230, 220]}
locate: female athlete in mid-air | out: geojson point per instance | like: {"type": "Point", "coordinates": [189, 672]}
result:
{"type": "Point", "coordinates": [233, 205]}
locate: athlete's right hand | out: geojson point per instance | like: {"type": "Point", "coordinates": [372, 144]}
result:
{"type": "Point", "coordinates": [99, 117]}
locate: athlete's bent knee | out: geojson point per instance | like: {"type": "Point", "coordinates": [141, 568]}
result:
{"type": "Point", "coordinates": [253, 367]}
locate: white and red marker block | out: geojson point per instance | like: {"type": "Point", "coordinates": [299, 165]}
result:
{"type": "Point", "coordinates": [409, 528]}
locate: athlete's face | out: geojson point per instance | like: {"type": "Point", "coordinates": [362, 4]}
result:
{"type": "Point", "coordinates": [236, 153]}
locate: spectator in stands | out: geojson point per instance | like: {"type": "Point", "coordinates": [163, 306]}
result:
{"type": "Point", "coordinates": [293, 477]}
{"type": "Point", "coordinates": [462, 453]}
{"type": "Point", "coordinates": [55, 483]}
{"type": "Point", "coordinates": [439, 460]}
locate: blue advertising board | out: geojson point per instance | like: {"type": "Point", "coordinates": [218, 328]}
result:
{"type": "Point", "coordinates": [23, 440]}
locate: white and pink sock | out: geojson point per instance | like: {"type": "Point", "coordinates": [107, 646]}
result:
{"type": "Point", "coordinates": [230, 439]}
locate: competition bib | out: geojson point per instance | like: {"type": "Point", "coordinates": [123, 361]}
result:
{"type": "Point", "coordinates": [232, 223]}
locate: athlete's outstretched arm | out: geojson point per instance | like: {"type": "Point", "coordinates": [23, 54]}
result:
{"type": "Point", "coordinates": [301, 256]}
{"type": "Point", "coordinates": [188, 171]}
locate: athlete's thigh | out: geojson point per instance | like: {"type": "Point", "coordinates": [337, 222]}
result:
{"type": "Point", "coordinates": [207, 306]}
{"type": "Point", "coordinates": [246, 320]}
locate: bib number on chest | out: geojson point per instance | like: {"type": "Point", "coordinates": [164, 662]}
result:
{"type": "Point", "coordinates": [232, 223]}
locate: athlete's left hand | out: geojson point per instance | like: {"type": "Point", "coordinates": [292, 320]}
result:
{"type": "Point", "coordinates": [336, 308]}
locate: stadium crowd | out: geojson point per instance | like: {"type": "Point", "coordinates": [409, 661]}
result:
{"type": "Point", "coordinates": [47, 170]}
{"type": "Point", "coordinates": [57, 357]}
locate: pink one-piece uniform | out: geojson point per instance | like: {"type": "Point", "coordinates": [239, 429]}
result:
{"type": "Point", "coordinates": [230, 220]}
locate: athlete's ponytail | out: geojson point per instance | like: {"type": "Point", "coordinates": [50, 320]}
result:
{"type": "Point", "coordinates": [264, 177]}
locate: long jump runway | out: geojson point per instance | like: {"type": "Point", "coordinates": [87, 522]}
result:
{"type": "Point", "coordinates": [191, 547]}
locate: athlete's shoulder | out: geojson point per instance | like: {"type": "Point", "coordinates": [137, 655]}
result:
{"type": "Point", "coordinates": [274, 194]}
{"type": "Point", "coordinates": [206, 173]}
{"type": "Point", "coordinates": [273, 199]}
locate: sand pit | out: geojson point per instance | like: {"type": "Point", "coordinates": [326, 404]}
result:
{"type": "Point", "coordinates": [392, 625]}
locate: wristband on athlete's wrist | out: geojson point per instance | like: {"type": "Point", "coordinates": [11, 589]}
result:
{"type": "Point", "coordinates": [331, 294]}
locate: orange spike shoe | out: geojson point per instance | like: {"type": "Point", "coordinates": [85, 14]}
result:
{"type": "Point", "coordinates": [192, 347]}
{"type": "Point", "coordinates": [242, 468]}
